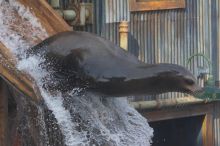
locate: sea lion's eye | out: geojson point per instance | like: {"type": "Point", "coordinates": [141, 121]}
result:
{"type": "Point", "coordinates": [189, 81]}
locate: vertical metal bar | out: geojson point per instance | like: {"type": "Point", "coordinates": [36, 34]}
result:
{"type": "Point", "coordinates": [148, 49]}
{"type": "Point", "coordinates": [217, 51]}
{"type": "Point", "coordinates": [142, 37]}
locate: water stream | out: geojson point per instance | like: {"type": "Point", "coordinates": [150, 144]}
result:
{"type": "Point", "coordinates": [83, 119]}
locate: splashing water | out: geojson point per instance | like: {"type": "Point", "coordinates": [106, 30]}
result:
{"type": "Point", "coordinates": [83, 119]}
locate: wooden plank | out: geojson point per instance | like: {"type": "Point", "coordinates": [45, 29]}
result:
{"type": "Point", "coordinates": [177, 112]}
{"type": "Point", "coordinates": [207, 129]}
{"type": "Point", "coordinates": [17, 79]}
{"type": "Point", "coordinates": [163, 103]}
{"type": "Point", "coordinates": [143, 5]}
{"type": "Point", "coordinates": [49, 18]}
{"type": "Point", "coordinates": [3, 114]}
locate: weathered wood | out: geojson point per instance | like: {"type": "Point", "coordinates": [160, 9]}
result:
{"type": "Point", "coordinates": [163, 103]}
{"type": "Point", "coordinates": [178, 112]}
{"type": "Point", "coordinates": [207, 130]}
{"type": "Point", "coordinates": [3, 114]}
{"type": "Point", "coordinates": [123, 33]}
{"type": "Point", "coordinates": [206, 110]}
{"type": "Point", "coordinates": [142, 5]}
{"type": "Point", "coordinates": [53, 24]}
{"type": "Point", "coordinates": [8, 72]}
{"type": "Point", "coordinates": [49, 18]}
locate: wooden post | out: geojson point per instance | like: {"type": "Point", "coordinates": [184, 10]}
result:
{"type": "Point", "coordinates": [123, 31]}
{"type": "Point", "coordinates": [3, 113]}
{"type": "Point", "coordinates": [207, 130]}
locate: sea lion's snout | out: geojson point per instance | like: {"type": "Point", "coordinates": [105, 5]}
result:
{"type": "Point", "coordinates": [195, 90]}
{"type": "Point", "coordinates": [179, 79]}
{"type": "Point", "coordinates": [191, 86]}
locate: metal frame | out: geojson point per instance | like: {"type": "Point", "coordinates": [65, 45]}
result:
{"type": "Point", "coordinates": [156, 5]}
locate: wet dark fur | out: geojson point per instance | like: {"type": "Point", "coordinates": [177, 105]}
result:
{"type": "Point", "coordinates": [84, 60]}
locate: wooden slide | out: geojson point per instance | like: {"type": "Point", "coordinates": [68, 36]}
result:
{"type": "Point", "coordinates": [53, 24]}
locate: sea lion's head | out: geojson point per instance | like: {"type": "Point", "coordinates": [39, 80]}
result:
{"type": "Point", "coordinates": [175, 78]}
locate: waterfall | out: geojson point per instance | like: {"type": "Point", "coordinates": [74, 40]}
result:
{"type": "Point", "coordinates": [83, 119]}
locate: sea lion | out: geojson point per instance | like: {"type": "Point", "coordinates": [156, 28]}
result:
{"type": "Point", "coordinates": [84, 60]}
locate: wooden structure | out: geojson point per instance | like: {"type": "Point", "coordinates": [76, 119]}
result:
{"type": "Point", "coordinates": [203, 128]}
{"type": "Point", "coordinates": [149, 5]}
{"type": "Point", "coordinates": [53, 24]}
{"type": "Point", "coordinates": [123, 33]}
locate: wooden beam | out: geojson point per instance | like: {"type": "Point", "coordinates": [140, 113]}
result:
{"type": "Point", "coordinates": [8, 71]}
{"type": "Point", "coordinates": [177, 112]}
{"type": "Point", "coordinates": [50, 19]}
{"type": "Point", "coordinates": [163, 103]}
{"type": "Point", "coordinates": [146, 5]}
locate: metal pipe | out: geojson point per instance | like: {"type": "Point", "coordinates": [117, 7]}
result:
{"type": "Point", "coordinates": [69, 15]}
{"type": "Point", "coordinates": [158, 104]}
{"type": "Point", "coordinates": [123, 32]}
{"type": "Point", "coordinates": [55, 4]}
{"type": "Point", "coordinates": [217, 80]}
